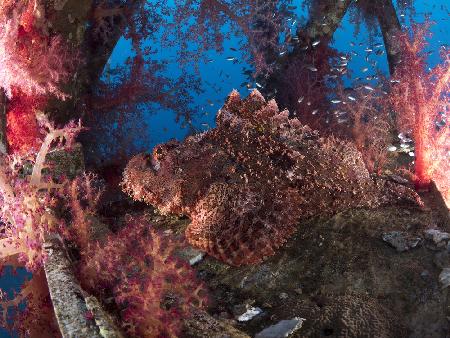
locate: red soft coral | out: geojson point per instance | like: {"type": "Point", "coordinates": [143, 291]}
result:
{"type": "Point", "coordinates": [22, 128]}
{"type": "Point", "coordinates": [152, 289]}
{"type": "Point", "coordinates": [32, 62]}
{"type": "Point", "coordinates": [421, 101]}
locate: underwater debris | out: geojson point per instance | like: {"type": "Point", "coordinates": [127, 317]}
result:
{"type": "Point", "coordinates": [401, 241]}
{"type": "Point", "coordinates": [247, 182]}
{"type": "Point", "coordinates": [436, 235]}
{"type": "Point", "coordinates": [249, 314]}
{"type": "Point", "coordinates": [283, 328]}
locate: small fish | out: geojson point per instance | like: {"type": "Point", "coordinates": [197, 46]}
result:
{"type": "Point", "coordinates": [335, 101]}
{"type": "Point", "coordinates": [308, 103]}
{"type": "Point", "coordinates": [259, 85]}
{"type": "Point", "coordinates": [233, 49]}
{"type": "Point", "coordinates": [352, 44]}
{"type": "Point", "coordinates": [231, 58]}
{"type": "Point", "coordinates": [342, 120]}
{"type": "Point", "coordinates": [379, 52]}
{"type": "Point", "coordinates": [304, 48]}
{"type": "Point", "coordinates": [378, 45]}
{"type": "Point", "coordinates": [314, 112]}
{"type": "Point", "coordinates": [312, 68]}
{"type": "Point", "coordinates": [300, 99]}
{"type": "Point", "coordinates": [369, 88]}
{"type": "Point", "coordinates": [351, 98]}
{"type": "Point", "coordinates": [343, 58]}
{"type": "Point", "coordinates": [315, 43]}
{"type": "Point", "coordinates": [368, 50]}
{"type": "Point", "coordinates": [282, 53]}
{"type": "Point", "coordinates": [365, 69]}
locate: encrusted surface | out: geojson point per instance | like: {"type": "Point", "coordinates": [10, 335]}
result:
{"type": "Point", "coordinates": [68, 301]}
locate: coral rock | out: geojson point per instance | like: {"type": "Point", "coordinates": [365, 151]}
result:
{"type": "Point", "coordinates": [247, 182]}
{"type": "Point", "coordinates": [352, 315]}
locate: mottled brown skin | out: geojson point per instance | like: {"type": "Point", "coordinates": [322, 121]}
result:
{"type": "Point", "coordinates": [247, 182]}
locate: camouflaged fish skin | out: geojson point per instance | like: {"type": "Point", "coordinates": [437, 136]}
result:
{"type": "Point", "coordinates": [246, 183]}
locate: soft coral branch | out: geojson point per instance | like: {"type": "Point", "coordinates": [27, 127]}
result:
{"type": "Point", "coordinates": [32, 62]}
{"type": "Point", "coordinates": [421, 100]}
{"type": "Point", "coordinates": [27, 199]}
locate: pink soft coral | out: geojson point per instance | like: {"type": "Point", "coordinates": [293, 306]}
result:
{"type": "Point", "coordinates": [26, 198]}
{"type": "Point", "coordinates": [32, 62]}
{"type": "Point", "coordinates": [152, 289]}
{"type": "Point", "coordinates": [421, 101]}
{"type": "Point", "coordinates": [22, 128]}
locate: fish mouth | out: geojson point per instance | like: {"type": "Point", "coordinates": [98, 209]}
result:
{"type": "Point", "coordinates": [152, 163]}
{"type": "Point", "coordinates": [156, 165]}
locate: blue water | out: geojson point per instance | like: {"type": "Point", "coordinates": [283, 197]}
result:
{"type": "Point", "coordinates": [220, 76]}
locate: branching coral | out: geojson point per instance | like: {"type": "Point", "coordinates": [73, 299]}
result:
{"type": "Point", "coordinates": [27, 194]}
{"type": "Point", "coordinates": [421, 102]}
{"type": "Point", "coordinates": [260, 22]}
{"type": "Point", "coordinates": [22, 128]}
{"type": "Point", "coordinates": [247, 182]}
{"type": "Point", "coordinates": [152, 289]}
{"type": "Point", "coordinates": [364, 117]}
{"type": "Point", "coordinates": [307, 81]}
{"type": "Point", "coordinates": [32, 62]}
